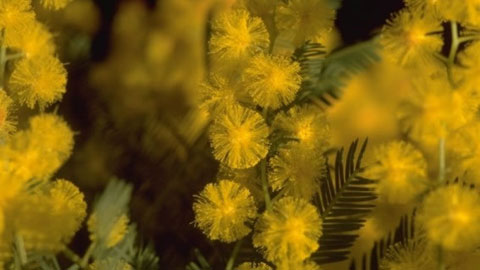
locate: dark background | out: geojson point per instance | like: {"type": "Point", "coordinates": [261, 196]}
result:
{"type": "Point", "coordinates": [161, 209]}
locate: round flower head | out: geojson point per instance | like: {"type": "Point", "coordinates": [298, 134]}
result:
{"type": "Point", "coordinates": [272, 81]}
{"type": "Point", "coordinates": [239, 137]}
{"type": "Point", "coordinates": [414, 254]}
{"type": "Point", "coordinates": [288, 231]}
{"type": "Point", "coordinates": [465, 148]}
{"type": "Point", "coordinates": [296, 170]}
{"type": "Point", "coordinates": [38, 80]}
{"type": "Point", "coordinates": [306, 18]}
{"type": "Point", "coordinates": [14, 12]}
{"type": "Point", "coordinates": [31, 38]}
{"type": "Point", "coordinates": [297, 265]}
{"type": "Point", "coordinates": [236, 35]}
{"type": "Point", "coordinates": [466, 11]}
{"type": "Point", "coordinates": [253, 266]}
{"type": "Point", "coordinates": [407, 38]}
{"type": "Point", "coordinates": [223, 210]}
{"type": "Point", "coordinates": [308, 124]}
{"type": "Point", "coordinates": [217, 95]}
{"type": "Point", "coordinates": [434, 110]}
{"type": "Point", "coordinates": [451, 217]}
{"type": "Point", "coordinates": [401, 171]}
{"type": "Point", "coordinates": [55, 4]}
{"type": "Point", "coordinates": [47, 219]}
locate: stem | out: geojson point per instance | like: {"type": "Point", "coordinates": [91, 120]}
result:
{"type": "Point", "coordinates": [72, 255]}
{"type": "Point", "coordinates": [455, 42]}
{"type": "Point", "coordinates": [231, 261]}
{"type": "Point", "coordinates": [3, 62]}
{"type": "Point", "coordinates": [20, 246]}
{"type": "Point", "coordinates": [441, 160]}
{"type": "Point", "coordinates": [440, 259]}
{"type": "Point", "coordinates": [263, 173]}
{"type": "Point", "coordinates": [86, 257]}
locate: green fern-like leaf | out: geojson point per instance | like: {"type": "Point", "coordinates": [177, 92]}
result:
{"type": "Point", "coordinates": [345, 199]}
{"type": "Point", "coordinates": [325, 77]}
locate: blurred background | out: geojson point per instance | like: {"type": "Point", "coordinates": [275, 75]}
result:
{"type": "Point", "coordinates": [134, 66]}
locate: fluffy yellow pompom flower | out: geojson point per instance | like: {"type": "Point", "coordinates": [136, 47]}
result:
{"type": "Point", "coordinates": [47, 220]}
{"type": "Point", "coordinates": [288, 231]}
{"type": "Point", "coordinates": [38, 80]}
{"type": "Point", "coordinates": [407, 38]}
{"type": "Point", "coordinates": [116, 234]}
{"type": "Point", "coordinates": [217, 95]}
{"type": "Point", "coordinates": [297, 265]}
{"type": "Point", "coordinates": [401, 171]}
{"type": "Point", "coordinates": [434, 110]}
{"type": "Point", "coordinates": [14, 12]}
{"type": "Point", "coordinates": [223, 210]}
{"type": "Point", "coordinates": [451, 217]}
{"type": "Point", "coordinates": [308, 124]}
{"type": "Point", "coordinates": [307, 19]}
{"type": "Point", "coordinates": [465, 148]}
{"type": "Point", "coordinates": [31, 38]}
{"type": "Point", "coordinates": [55, 4]}
{"type": "Point", "coordinates": [253, 266]}
{"type": "Point", "coordinates": [237, 35]}
{"type": "Point", "coordinates": [296, 170]}
{"type": "Point", "coordinates": [415, 254]}
{"type": "Point", "coordinates": [52, 134]}
{"type": "Point", "coordinates": [239, 137]}
{"type": "Point", "coordinates": [6, 124]}
{"type": "Point", "coordinates": [272, 81]}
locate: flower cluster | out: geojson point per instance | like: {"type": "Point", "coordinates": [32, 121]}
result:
{"type": "Point", "coordinates": [264, 139]}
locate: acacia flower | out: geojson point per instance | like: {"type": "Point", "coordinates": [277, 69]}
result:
{"type": "Point", "coordinates": [223, 210]}
{"type": "Point", "coordinates": [31, 38]}
{"type": "Point", "coordinates": [39, 80]}
{"type": "Point", "coordinates": [47, 219]}
{"type": "Point", "coordinates": [308, 124]}
{"type": "Point", "coordinates": [236, 35]}
{"type": "Point", "coordinates": [414, 254]}
{"type": "Point", "coordinates": [288, 231]}
{"type": "Point", "coordinates": [407, 38]}
{"type": "Point", "coordinates": [272, 81]}
{"type": "Point", "coordinates": [239, 137]}
{"type": "Point", "coordinates": [401, 171]}
{"type": "Point", "coordinates": [308, 19]}
{"type": "Point", "coordinates": [217, 95]}
{"type": "Point", "coordinates": [14, 12]}
{"type": "Point", "coordinates": [296, 170]}
{"type": "Point", "coordinates": [451, 217]}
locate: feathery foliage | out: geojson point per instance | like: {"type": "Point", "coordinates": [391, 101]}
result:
{"type": "Point", "coordinates": [346, 198]}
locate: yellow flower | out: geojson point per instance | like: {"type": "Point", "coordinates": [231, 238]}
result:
{"type": "Point", "coordinates": [47, 218]}
{"type": "Point", "coordinates": [38, 151]}
{"type": "Point", "coordinates": [288, 231]}
{"type": "Point", "coordinates": [415, 254]}
{"type": "Point", "coordinates": [7, 126]}
{"type": "Point", "coordinates": [39, 80]}
{"type": "Point", "coordinates": [434, 110]}
{"type": "Point", "coordinates": [218, 94]}
{"type": "Point", "coordinates": [31, 38]}
{"type": "Point", "coordinates": [55, 4]}
{"type": "Point", "coordinates": [239, 138]}
{"type": "Point", "coordinates": [308, 124]}
{"type": "Point", "coordinates": [272, 81]}
{"type": "Point", "coordinates": [401, 171]}
{"type": "Point", "coordinates": [460, 11]}
{"type": "Point", "coordinates": [236, 35]}
{"type": "Point", "coordinates": [464, 147]}
{"type": "Point", "coordinates": [14, 12]}
{"type": "Point", "coordinates": [296, 170]}
{"type": "Point", "coordinates": [451, 217]}
{"type": "Point", "coordinates": [307, 19]}
{"type": "Point", "coordinates": [223, 210]}
{"type": "Point", "coordinates": [116, 234]}
{"type": "Point", "coordinates": [407, 38]}
{"type": "Point", "coordinates": [253, 266]}
{"type": "Point", "coordinates": [306, 265]}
